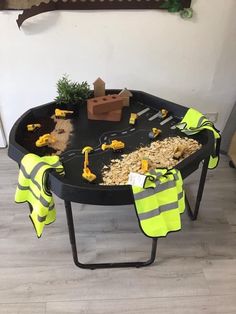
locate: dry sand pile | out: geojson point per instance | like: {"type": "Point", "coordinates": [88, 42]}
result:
{"type": "Point", "coordinates": [61, 133]}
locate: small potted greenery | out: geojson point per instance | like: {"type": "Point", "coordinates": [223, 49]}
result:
{"type": "Point", "coordinates": [72, 93]}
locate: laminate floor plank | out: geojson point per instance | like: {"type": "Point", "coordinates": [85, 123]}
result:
{"type": "Point", "coordinates": [23, 308]}
{"type": "Point", "coordinates": [56, 283]}
{"type": "Point", "coordinates": [221, 276]}
{"type": "Point", "coordinates": [171, 305]}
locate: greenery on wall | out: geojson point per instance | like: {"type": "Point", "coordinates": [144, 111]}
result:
{"type": "Point", "coordinates": [35, 7]}
{"type": "Point", "coordinates": [174, 6]}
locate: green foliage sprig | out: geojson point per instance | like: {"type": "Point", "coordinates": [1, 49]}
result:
{"type": "Point", "coordinates": [174, 6]}
{"type": "Point", "coordinates": [72, 92]}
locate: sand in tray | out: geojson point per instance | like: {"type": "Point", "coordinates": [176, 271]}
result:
{"type": "Point", "coordinates": [62, 132]}
{"type": "Point", "coordinates": [160, 154]}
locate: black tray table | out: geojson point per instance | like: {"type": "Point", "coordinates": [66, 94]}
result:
{"type": "Point", "coordinates": [72, 188]}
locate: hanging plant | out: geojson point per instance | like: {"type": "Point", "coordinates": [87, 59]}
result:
{"type": "Point", "coordinates": [186, 13]}
{"type": "Point", "coordinates": [174, 6]}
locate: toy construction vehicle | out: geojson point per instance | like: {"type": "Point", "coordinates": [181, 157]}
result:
{"type": "Point", "coordinates": [144, 165]}
{"type": "Point", "coordinates": [164, 113]}
{"type": "Point", "coordinates": [115, 145]}
{"type": "Point", "coordinates": [179, 152]}
{"type": "Point", "coordinates": [62, 113]}
{"type": "Point", "coordinates": [87, 174]}
{"type": "Point", "coordinates": [154, 133]}
{"type": "Point", "coordinates": [45, 139]}
{"type": "Point", "coordinates": [33, 127]}
{"type": "Point", "coordinates": [133, 118]}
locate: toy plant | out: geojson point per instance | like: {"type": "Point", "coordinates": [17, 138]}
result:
{"type": "Point", "coordinates": [72, 92]}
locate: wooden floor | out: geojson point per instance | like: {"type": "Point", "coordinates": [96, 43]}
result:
{"type": "Point", "coordinates": [195, 270]}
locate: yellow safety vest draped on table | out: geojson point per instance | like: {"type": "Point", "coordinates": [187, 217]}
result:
{"type": "Point", "coordinates": [32, 188]}
{"type": "Point", "coordinates": [194, 122]}
{"type": "Point", "coordinates": [160, 202]}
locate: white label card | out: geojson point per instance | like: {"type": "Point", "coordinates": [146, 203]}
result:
{"type": "Point", "coordinates": [136, 179]}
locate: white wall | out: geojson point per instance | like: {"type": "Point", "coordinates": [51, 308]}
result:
{"type": "Point", "coordinates": [188, 62]}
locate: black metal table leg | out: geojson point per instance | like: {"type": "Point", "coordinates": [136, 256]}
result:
{"type": "Point", "coordinates": [71, 229]}
{"type": "Point", "coordinates": [194, 213]}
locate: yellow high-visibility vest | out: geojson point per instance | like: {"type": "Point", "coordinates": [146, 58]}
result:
{"type": "Point", "coordinates": [194, 122]}
{"type": "Point", "coordinates": [160, 202]}
{"type": "Point", "coordinates": [32, 188]}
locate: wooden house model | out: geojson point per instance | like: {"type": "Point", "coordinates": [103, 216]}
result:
{"type": "Point", "coordinates": [99, 87]}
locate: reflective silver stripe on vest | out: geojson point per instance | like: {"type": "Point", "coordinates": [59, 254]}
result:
{"type": "Point", "coordinates": [187, 132]}
{"type": "Point", "coordinates": [35, 170]}
{"type": "Point", "coordinates": [180, 195]}
{"type": "Point", "coordinates": [200, 121]}
{"type": "Point", "coordinates": [150, 191]}
{"type": "Point", "coordinates": [176, 177]}
{"type": "Point", "coordinates": [158, 211]}
{"type": "Point", "coordinates": [152, 171]}
{"type": "Point", "coordinates": [42, 219]}
{"type": "Point", "coordinates": [27, 176]}
{"type": "Point", "coordinates": [194, 130]}
{"type": "Point", "coordinates": [207, 123]}
{"type": "Point", "coordinates": [40, 164]}
{"type": "Point", "coordinates": [156, 174]}
{"type": "Point", "coordinates": [42, 200]}
{"type": "Point", "coordinates": [51, 207]}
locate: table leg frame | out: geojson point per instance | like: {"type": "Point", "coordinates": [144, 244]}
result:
{"type": "Point", "coordinates": [71, 229]}
{"type": "Point", "coordinates": [193, 214]}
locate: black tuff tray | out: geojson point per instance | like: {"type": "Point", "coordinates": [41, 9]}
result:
{"type": "Point", "coordinates": [86, 132]}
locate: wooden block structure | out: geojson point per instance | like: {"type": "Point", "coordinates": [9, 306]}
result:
{"type": "Point", "coordinates": [125, 94]}
{"type": "Point", "coordinates": [99, 87]}
{"type": "Point", "coordinates": [105, 108]}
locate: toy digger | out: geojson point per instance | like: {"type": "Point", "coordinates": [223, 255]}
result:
{"type": "Point", "coordinates": [133, 118]}
{"type": "Point", "coordinates": [179, 152]}
{"type": "Point", "coordinates": [33, 127]}
{"type": "Point", "coordinates": [144, 165]}
{"type": "Point", "coordinates": [164, 113]}
{"type": "Point", "coordinates": [115, 145]}
{"type": "Point", "coordinates": [61, 114]}
{"type": "Point", "coordinates": [154, 133]}
{"type": "Point", "coordinates": [87, 174]}
{"type": "Point", "coordinates": [45, 139]}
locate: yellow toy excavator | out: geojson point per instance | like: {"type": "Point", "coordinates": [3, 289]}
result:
{"type": "Point", "coordinates": [45, 139]}
{"type": "Point", "coordinates": [62, 113]}
{"type": "Point", "coordinates": [33, 127]}
{"type": "Point", "coordinates": [144, 165]}
{"type": "Point", "coordinates": [87, 174]}
{"type": "Point", "coordinates": [164, 113]}
{"type": "Point", "coordinates": [133, 118]}
{"type": "Point", "coordinates": [115, 145]}
{"type": "Point", "coordinates": [154, 133]}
